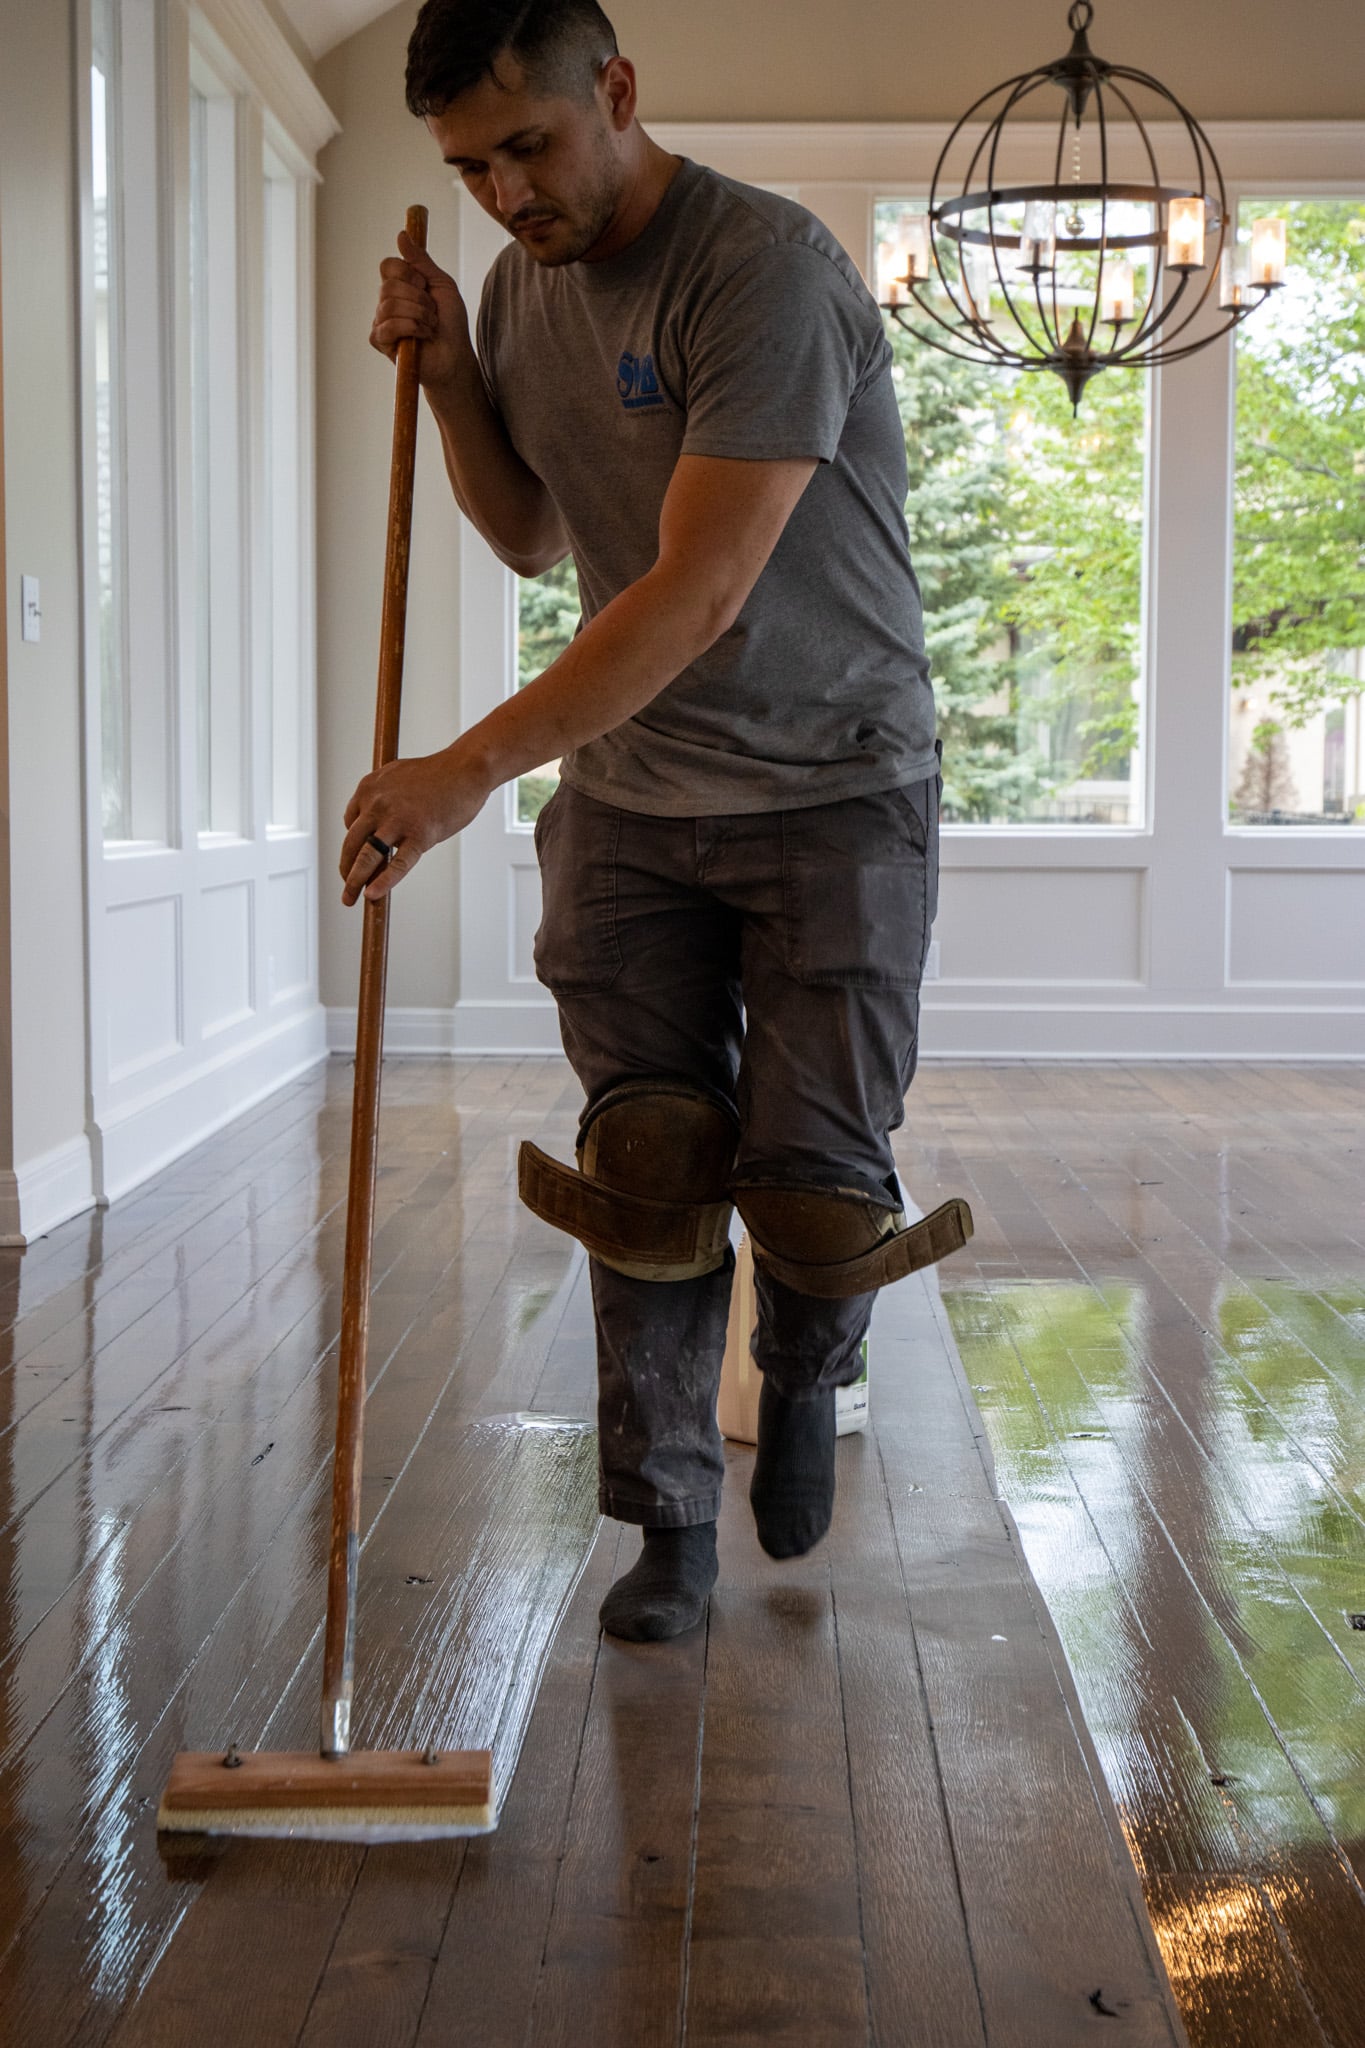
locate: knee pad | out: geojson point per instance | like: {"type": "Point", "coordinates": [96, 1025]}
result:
{"type": "Point", "coordinates": [835, 1242]}
{"type": "Point", "coordinates": [650, 1197]}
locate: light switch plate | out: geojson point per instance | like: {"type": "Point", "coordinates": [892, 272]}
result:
{"type": "Point", "coordinates": [31, 606]}
{"type": "Point", "coordinates": [932, 968]}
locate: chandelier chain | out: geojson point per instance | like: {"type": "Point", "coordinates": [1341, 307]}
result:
{"type": "Point", "coordinates": [1075, 220]}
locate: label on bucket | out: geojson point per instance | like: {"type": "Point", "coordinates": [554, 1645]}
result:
{"type": "Point", "coordinates": [850, 1403]}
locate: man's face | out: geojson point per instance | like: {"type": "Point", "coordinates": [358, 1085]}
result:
{"type": "Point", "coordinates": [550, 169]}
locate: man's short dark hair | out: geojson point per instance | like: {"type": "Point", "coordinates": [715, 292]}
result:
{"type": "Point", "coordinates": [560, 44]}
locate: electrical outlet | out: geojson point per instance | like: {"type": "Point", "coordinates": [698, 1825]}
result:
{"type": "Point", "coordinates": [932, 969]}
{"type": "Point", "coordinates": [31, 607]}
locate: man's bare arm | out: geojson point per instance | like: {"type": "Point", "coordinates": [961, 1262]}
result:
{"type": "Point", "coordinates": [720, 523]}
{"type": "Point", "coordinates": [493, 487]}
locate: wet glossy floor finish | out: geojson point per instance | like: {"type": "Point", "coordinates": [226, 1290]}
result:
{"type": "Point", "coordinates": [1162, 1319]}
{"type": "Point", "coordinates": [861, 1804]}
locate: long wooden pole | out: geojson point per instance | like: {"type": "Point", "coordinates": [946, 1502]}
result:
{"type": "Point", "coordinates": [338, 1664]}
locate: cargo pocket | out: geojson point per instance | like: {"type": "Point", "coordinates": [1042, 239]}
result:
{"type": "Point", "coordinates": [856, 889]}
{"type": "Point", "coordinates": [577, 950]}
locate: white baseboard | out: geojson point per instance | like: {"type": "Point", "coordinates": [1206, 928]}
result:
{"type": "Point", "coordinates": [529, 1028]}
{"type": "Point", "coordinates": [951, 1029]}
{"type": "Point", "coordinates": [139, 1139]}
{"type": "Point", "coordinates": [468, 1031]}
{"type": "Point", "coordinates": [409, 1034]}
{"type": "Point", "coordinates": [43, 1192]}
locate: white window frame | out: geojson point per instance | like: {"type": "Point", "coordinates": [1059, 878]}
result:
{"type": "Point", "coordinates": [288, 808]}
{"type": "Point", "coordinates": [189, 1019]}
{"type": "Point", "coordinates": [1243, 189]}
{"type": "Point", "coordinates": [223, 435]}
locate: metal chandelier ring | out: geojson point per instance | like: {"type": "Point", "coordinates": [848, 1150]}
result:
{"type": "Point", "coordinates": [949, 213]}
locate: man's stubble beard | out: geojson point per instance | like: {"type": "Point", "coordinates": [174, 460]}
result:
{"type": "Point", "coordinates": [601, 203]}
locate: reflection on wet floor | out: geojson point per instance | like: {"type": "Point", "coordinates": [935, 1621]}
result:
{"type": "Point", "coordinates": [166, 1424]}
{"type": "Point", "coordinates": [1190, 1492]}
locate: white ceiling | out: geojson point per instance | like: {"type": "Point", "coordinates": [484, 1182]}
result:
{"type": "Point", "coordinates": [325, 23]}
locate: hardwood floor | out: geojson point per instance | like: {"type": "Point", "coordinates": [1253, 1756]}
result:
{"type": "Point", "coordinates": [863, 1803]}
{"type": "Point", "coordinates": [1162, 1317]}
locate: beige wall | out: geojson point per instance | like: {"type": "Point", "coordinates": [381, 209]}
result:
{"type": "Point", "coordinates": [381, 163]}
{"type": "Point", "coordinates": [6, 1007]}
{"type": "Point", "coordinates": [884, 60]}
{"type": "Point", "coordinates": [45, 1076]}
{"type": "Point", "coordinates": [740, 60]}
{"type": "Point", "coordinates": [881, 60]}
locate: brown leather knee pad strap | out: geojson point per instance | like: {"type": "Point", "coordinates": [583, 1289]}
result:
{"type": "Point", "coordinates": [639, 1235]}
{"type": "Point", "coordinates": [833, 1242]}
{"type": "Point", "coordinates": [649, 1196]}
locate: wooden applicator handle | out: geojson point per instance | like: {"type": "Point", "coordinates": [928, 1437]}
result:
{"type": "Point", "coordinates": [338, 1667]}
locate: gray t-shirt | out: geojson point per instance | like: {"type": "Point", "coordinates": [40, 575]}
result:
{"type": "Point", "coordinates": [734, 325]}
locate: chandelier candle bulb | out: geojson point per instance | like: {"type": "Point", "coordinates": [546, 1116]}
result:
{"type": "Point", "coordinates": [1234, 278]}
{"type": "Point", "coordinates": [979, 273]}
{"type": "Point", "coordinates": [1118, 293]}
{"type": "Point", "coordinates": [1185, 234]}
{"type": "Point", "coordinates": [1038, 243]}
{"type": "Point", "coordinates": [1040, 220]}
{"type": "Point", "coordinates": [1267, 253]}
{"type": "Point", "coordinates": [916, 250]}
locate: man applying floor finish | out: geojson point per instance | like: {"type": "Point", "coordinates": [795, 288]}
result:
{"type": "Point", "coordinates": [684, 383]}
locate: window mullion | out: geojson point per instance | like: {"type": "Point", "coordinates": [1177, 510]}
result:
{"type": "Point", "coordinates": [253, 699]}
{"type": "Point", "coordinates": [145, 386]}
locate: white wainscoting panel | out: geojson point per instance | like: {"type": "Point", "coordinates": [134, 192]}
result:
{"type": "Point", "coordinates": [1296, 928]}
{"type": "Point", "coordinates": [225, 933]}
{"type": "Point", "coordinates": [290, 951]}
{"type": "Point", "coordinates": [146, 1133]}
{"type": "Point", "coordinates": [1081, 926]}
{"type": "Point", "coordinates": [143, 989]}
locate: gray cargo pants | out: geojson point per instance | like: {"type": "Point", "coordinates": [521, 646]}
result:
{"type": "Point", "coordinates": [772, 959]}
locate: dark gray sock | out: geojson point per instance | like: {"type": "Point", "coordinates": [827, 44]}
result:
{"type": "Point", "coordinates": [665, 1592]}
{"type": "Point", "coordinates": [792, 1490]}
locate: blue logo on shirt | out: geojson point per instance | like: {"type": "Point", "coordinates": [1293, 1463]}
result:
{"type": "Point", "coordinates": [638, 382]}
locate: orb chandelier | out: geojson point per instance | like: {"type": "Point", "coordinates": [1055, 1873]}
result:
{"type": "Point", "coordinates": [1083, 273]}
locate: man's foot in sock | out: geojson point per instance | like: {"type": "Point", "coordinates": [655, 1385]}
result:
{"type": "Point", "coordinates": [665, 1592]}
{"type": "Point", "coordinates": [792, 1490]}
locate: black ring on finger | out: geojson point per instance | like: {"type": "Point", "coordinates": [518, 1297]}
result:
{"type": "Point", "coordinates": [381, 846]}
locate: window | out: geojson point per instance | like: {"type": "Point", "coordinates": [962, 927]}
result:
{"type": "Point", "coordinates": [1027, 532]}
{"type": "Point", "coordinates": [196, 139]}
{"type": "Point", "coordinates": [1296, 737]}
{"type": "Point", "coordinates": [284, 555]}
{"type": "Point", "coordinates": [547, 619]}
{"type": "Point", "coordinates": [216, 443]}
{"type": "Point", "coordinates": [116, 770]}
